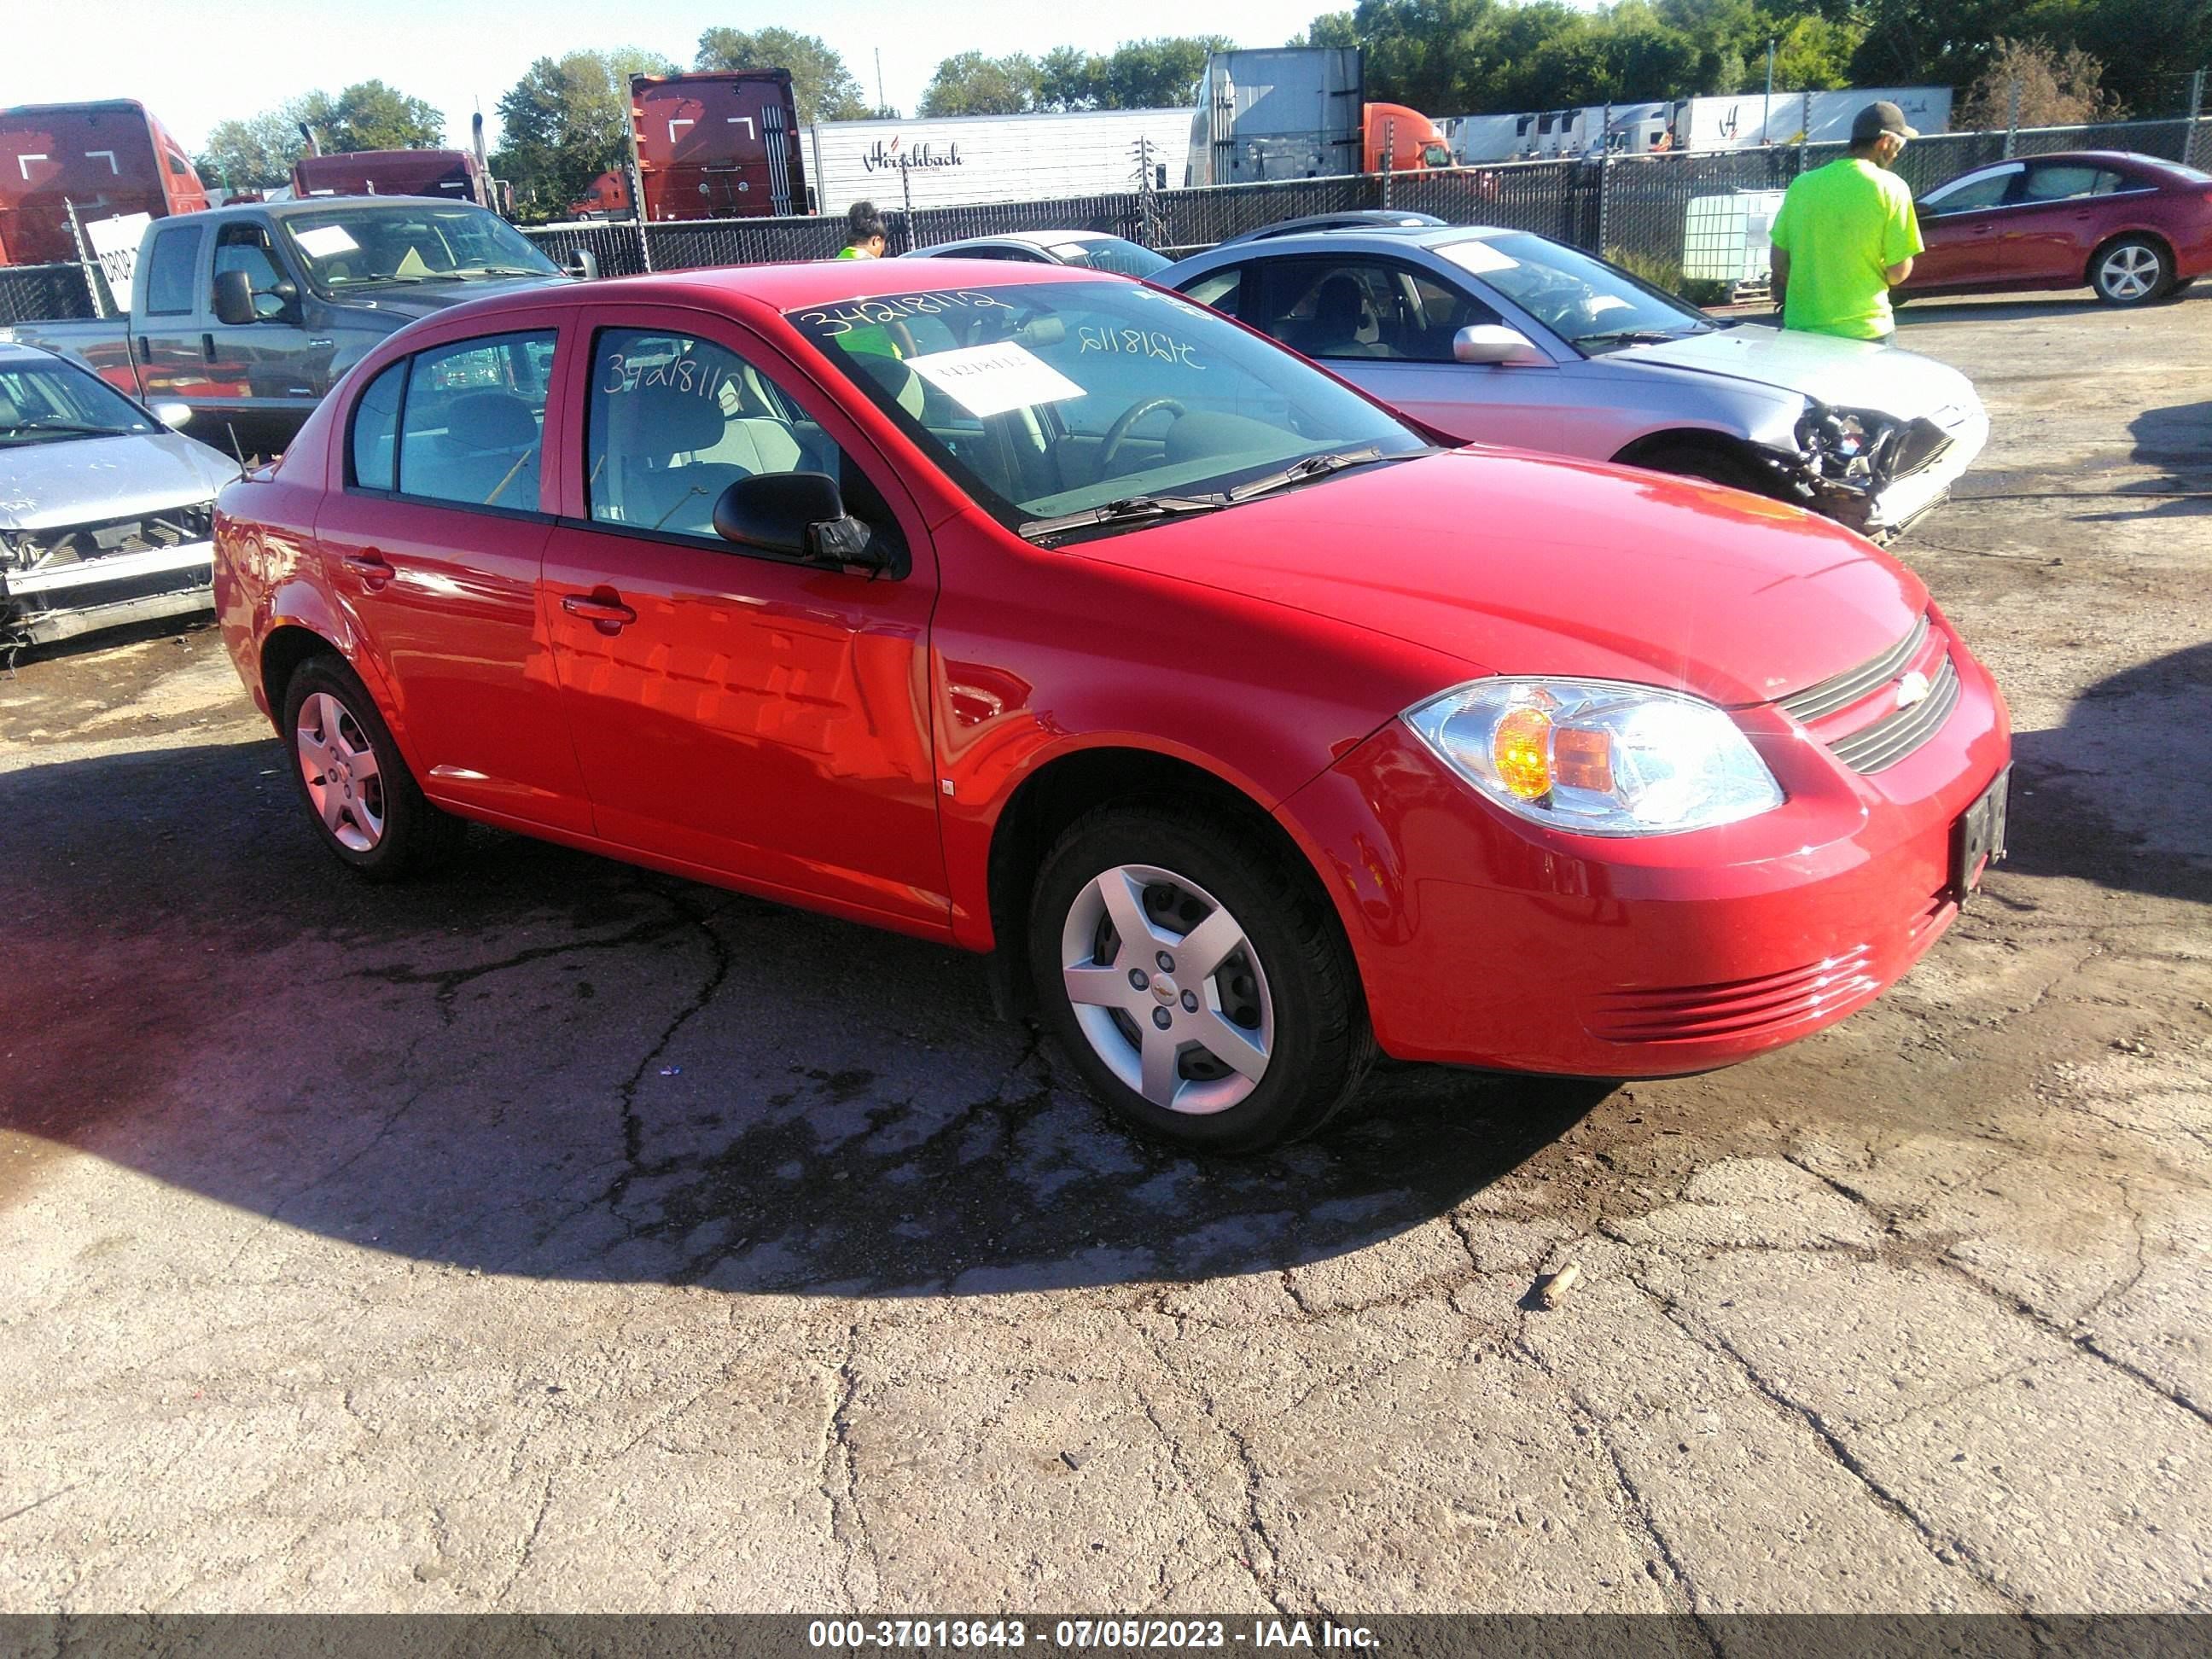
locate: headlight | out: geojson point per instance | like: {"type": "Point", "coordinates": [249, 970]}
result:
{"type": "Point", "coordinates": [1847, 446]}
{"type": "Point", "coordinates": [1597, 758]}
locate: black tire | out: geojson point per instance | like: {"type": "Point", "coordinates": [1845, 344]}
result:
{"type": "Point", "coordinates": [1706, 461]}
{"type": "Point", "coordinates": [1298, 976]}
{"type": "Point", "coordinates": [2131, 270]}
{"type": "Point", "coordinates": [408, 834]}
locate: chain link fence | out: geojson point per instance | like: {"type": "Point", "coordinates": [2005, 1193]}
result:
{"type": "Point", "coordinates": [1628, 207]}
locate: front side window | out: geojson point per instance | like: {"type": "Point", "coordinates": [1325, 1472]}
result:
{"type": "Point", "coordinates": [171, 265]}
{"type": "Point", "coordinates": [1986, 190]}
{"type": "Point", "coordinates": [1045, 400]}
{"type": "Point", "coordinates": [1592, 305]}
{"type": "Point", "coordinates": [1362, 307]}
{"type": "Point", "coordinates": [1218, 290]}
{"type": "Point", "coordinates": [375, 444]}
{"type": "Point", "coordinates": [472, 422]}
{"type": "Point", "coordinates": [1114, 254]}
{"type": "Point", "coordinates": [370, 245]}
{"type": "Point", "coordinates": [246, 247]}
{"type": "Point", "coordinates": [676, 420]}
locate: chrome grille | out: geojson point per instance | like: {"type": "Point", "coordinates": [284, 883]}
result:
{"type": "Point", "coordinates": [1893, 737]}
{"type": "Point", "coordinates": [1841, 690]}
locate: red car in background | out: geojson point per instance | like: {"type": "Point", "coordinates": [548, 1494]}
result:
{"type": "Point", "coordinates": [1045, 613]}
{"type": "Point", "coordinates": [2133, 227]}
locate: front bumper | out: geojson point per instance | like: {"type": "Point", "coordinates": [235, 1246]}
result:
{"type": "Point", "coordinates": [1485, 941]}
{"type": "Point", "coordinates": [56, 602]}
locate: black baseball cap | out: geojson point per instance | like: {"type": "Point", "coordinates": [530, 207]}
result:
{"type": "Point", "coordinates": [1876, 119]}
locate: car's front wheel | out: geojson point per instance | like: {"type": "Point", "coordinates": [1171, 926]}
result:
{"type": "Point", "coordinates": [1197, 978]}
{"type": "Point", "coordinates": [2130, 271]}
{"type": "Point", "coordinates": [363, 800]}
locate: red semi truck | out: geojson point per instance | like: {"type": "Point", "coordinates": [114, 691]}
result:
{"type": "Point", "coordinates": [103, 159]}
{"type": "Point", "coordinates": [718, 146]}
{"type": "Point", "coordinates": [451, 174]}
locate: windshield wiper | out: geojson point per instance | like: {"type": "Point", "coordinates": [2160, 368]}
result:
{"type": "Point", "coordinates": [1121, 511]}
{"type": "Point", "coordinates": [1313, 466]}
{"type": "Point", "coordinates": [72, 428]}
{"type": "Point", "coordinates": [1641, 336]}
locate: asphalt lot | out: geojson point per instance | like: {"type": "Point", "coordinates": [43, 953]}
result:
{"type": "Point", "coordinates": [556, 1236]}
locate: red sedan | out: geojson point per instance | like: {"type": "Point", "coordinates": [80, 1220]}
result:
{"type": "Point", "coordinates": [2133, 227]}
{"type": "Point", "coordinates": [1046, 614]}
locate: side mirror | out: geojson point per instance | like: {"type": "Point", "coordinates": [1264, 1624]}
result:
{"type": "Point", "coordinates": [799, 515]}
{"type": "Point", "coordinates": [584, 265]}
{"type": "Point", "coordinates": [233, 298]}
{"type": "Point", "coordinates": [173, 416]}
{"type": "Point", "coordinates": [1495, 344]}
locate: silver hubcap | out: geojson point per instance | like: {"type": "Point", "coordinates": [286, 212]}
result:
{"type": "Point", "coordinates": [2132, 272]}
{"type": "Point", "coordinates": [1168, 990]}
{"type": "Point", "coordinates": [339, 764]}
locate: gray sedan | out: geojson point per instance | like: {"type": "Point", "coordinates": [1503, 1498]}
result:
{"type": "Point", "coordinates": [1088, 250]}
{"type": "Point", "coordinates": [105, 514]}
{"type": "Point", "coordinates": [1502, 336]}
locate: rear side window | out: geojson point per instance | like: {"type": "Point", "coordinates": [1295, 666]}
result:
{"type": "Point", "coordinates": [376, 430]}
{"type": "Point", "coordinates": [2063, 182]}
{"type": "Point", "coordinates": [463, 423]}
{"type": "Point", "coordinates": [171, 265]}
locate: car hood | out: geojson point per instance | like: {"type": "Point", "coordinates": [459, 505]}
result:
{"type": "Point", "coordinates": [1842, 374]}
{"type": "Point", "coordinates": [92, 480]}
{"type": "Point", "coordinates": [412, 301]}
{"type": "Point", "coordinates": [1526, 564]}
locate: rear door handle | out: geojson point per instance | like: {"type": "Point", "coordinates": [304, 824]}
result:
{"type": "Point", "coordinates": [374, 570]}
{"type": "Point", "coordinates": [602, 607]}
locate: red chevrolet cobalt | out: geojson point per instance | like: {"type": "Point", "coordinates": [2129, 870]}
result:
{"type": "Point", "coordinates": [1046, 614]}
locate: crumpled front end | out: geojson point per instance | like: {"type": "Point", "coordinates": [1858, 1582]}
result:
{"type": "Point", "coordinates": [56, 581]}
{"type": "Point", "coordinates": [1878, 472]}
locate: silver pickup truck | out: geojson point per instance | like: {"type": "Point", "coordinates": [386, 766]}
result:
{"type": "Point", "coordinates": [249, 314]}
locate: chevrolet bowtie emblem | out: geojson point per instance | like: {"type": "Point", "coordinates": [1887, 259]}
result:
{"type": "Point", "coordinates": [1911, 689]}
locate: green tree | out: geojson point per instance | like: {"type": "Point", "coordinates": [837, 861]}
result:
{"type": "Point", "coordinates": [821, 83]}
{"type": "Point", "coordinates": [1070, 78]}
{"type": "Point", "coordinates": [1157, 74]}
{"type": "Point", "coordinates": [257, 152]}
{"type": "Point", "coordinates": [566, 122]}
{"type": "Point", "coordinates": [971, 83]}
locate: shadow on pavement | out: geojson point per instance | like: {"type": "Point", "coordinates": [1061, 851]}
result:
{"type": "Point", "coordinates": [555, 1066]}
{"type": "Point", "coordinates": [2122, 793]}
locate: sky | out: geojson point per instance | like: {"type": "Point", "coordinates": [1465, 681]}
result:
{"type": "Point", "coordinates": [194, 65]}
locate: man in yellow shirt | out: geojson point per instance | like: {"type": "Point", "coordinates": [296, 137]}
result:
{"type": "Point", "coordinates": [1846, 234]}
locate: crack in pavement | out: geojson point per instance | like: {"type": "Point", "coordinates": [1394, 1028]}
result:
{"type": "Point", "coordinates": [1948, 1551]}
{"type": "Point", "coordinates": [855, 1535]}
{"type": "Point", "coordinates": [529, 1544]}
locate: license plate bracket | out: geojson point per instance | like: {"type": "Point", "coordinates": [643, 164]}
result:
{"type": "Point", "coordinates": [1978, 838]}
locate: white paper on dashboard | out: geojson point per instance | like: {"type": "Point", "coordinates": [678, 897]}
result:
{"type": "Point", "coordinates": [990, 379]}
{"type": "Point", "coordinates": [325, 242]}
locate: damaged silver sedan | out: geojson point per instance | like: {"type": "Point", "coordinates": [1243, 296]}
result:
{"type": "Point", "coordinates": [106, 516]}
{"type": "Point", "coordinates": [1503, 336]}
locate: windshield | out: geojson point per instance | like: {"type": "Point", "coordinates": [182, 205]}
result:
{"type": "Point", "coordinates": [52, 403]}
{"type": "Point", "coordinates": [1051, 398]}
{"type": "Point", "coordinates": [1591, 304]}
{"type": "Point", "coordinates": [370, 243]}
{"type": "Point", "coordinates": [1123, 259]}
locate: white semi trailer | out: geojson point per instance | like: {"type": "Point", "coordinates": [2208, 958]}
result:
{"type": "Point", "coordinates": [962, 160]}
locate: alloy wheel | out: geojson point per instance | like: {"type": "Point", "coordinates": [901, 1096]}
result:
{"type": "Point", "coordinates": [2131, 271]}
{"type": "Point", "coordinates": [1168, 989]}
{"type": "Point", "coordinates": [339, 763]}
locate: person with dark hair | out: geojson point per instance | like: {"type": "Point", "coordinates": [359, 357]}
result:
{"type": "Point", "coordinates": [1846, 234]}
{"type": "Point", "coordinates": [866, 232]}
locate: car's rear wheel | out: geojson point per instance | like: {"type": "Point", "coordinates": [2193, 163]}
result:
{"type": "Point", "coordinates": [364, 802]}
{"type": "Point", "coordinates": [2131, 271]}
{"type": "Point", "coordinates": [1198, 981]}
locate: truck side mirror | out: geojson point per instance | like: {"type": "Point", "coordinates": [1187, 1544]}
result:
{"type": "Point", "coordinates": [584, 265]}
{"type": "Point", "coordinates": [233, 298]}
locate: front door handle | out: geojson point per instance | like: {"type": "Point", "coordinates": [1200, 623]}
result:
{"type": "Point", "coordinates": [207, 348]}
{"type": "Point", "coordinates": [374, 570]}
{"type": "Point", "coordinates": [602, 607]}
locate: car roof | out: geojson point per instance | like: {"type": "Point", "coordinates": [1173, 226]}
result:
{"type": "Point", "coordinates": [2135, 157]}
{"type": "Point", "coordinates": [1383, 219]}
{"type": "Point", "coordinates": [810, 282]}
{"type": "Point", "coordinates": [22, 351]}
{"type": "Point", "coordinates": [1371, 238]}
